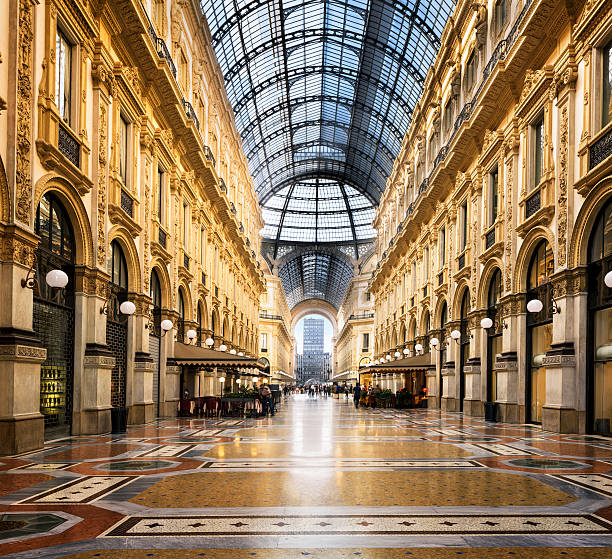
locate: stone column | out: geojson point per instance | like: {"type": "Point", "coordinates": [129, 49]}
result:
{"type": "Point", "coordinates": [472, 402]}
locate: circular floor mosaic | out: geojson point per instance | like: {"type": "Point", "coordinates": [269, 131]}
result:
{"type": "Point", "coordinates": [588, 439]}
{"type": "Point", "coordinates": [547, 464]}
{"type": "Point", "coordinates": [132, 465]}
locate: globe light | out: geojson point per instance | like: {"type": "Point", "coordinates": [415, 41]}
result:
{"type": "Point", "coordinates": [241, 354]}
{"type": "Point", "coordinates": [608, 279]}
{"type": "Point", "coordinates": [166, 325]}
{"type": "Point", "coordinates": [255, 379]}
{"type": "Point", "coordinates": [209, 342]}
{"type": "Point", "coordinates": [418, 347]}
{"type": "Point", "coordinates": [455, 334]}
{"type": "Point", "coordinates": [486, 323]}
{"type": "Point", "coordinates": [222, 347]}
{"type": "Point", "coordinates": [535, 306]}
{"type": "Point", "coordinates": [434, 342]}
{"type": "Point", "coordinates": [191, 334]}
{"type": "Point", "coordinates": [388, 357]}
{"type": "Point", "coordinates": [265, 381]}
{"type": "Point", "coordinates": [221, 379]}
{"type": "Point", "coordinates": [127, 307]}
{"type": "Point", "coordinates": [376, 362]}
{"type": "Point", "coordinates": [397, 354]}
{"type": "Point", "coordinates": [233, 351]}
{"type": "Point", "coordinates": [57, 279]}
{"type": "Point", "coordinates": [406, 351]}
{"type": "Point", "coordinates": [238, 381]}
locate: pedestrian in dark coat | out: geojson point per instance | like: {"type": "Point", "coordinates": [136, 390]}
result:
{"type": "Point", "coordinates": [357, 395]}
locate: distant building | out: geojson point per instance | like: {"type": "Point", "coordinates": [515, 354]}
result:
{"type": "Point", "coordinates": [313, 362]}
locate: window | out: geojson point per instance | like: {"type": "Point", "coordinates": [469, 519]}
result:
{"type": "Point", "coordinates": [442, 248]}
{"type": "Point", "coordinates": [464, 227]}
{"type": "Point", "coordinates": [493, 195]}
{"type": "Point", "coordinates": [183, 71]}
{"type": "Point", "coordinates": [160, 195]}
{"type": "Point", "coordinates": [449, 110]}
{"type": "Point", "coordinates": [433, 140]}
{"type": "Point", "coordinates": [158, 14]}
{"type": "Point", "coordinates": [203, 247]}
{"type": "Point", "coordinates": [470, 72]}
{"type": "Point", "coordinates": [264, 342]}
{"type": "Point", "coordinates": [606, 113]}
{"type": "Point", "coordinates": [413, 274]}
{"type": "Point", "coordinates": [425, 265]}
{"type": "Point", "coordinates": [365, 345]}
{"type": "Point", "coordinates": [124, 128]}
{"type": "Point", "coordinates": [537, 135]}
{"type": "Point", "coordinates": [63, 75]}
{"type": "Point", "coordinates": [501, 15]}
{"type": "Point", "coordinates": [367, 296]}
{"type": "Point", "coordinates": [185, 226]}
{"type": "Point", "coordinates": [118, 266]}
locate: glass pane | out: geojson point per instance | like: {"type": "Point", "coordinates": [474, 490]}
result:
{"type": "Point", "coordinates": [606, 112]}
{"type": "Point", "coordinates": [603, 371]}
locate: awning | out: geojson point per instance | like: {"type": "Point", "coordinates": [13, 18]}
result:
{"type": "Point", "coordinates": [344, 376]}
{"type": "Point", "coordinates": [185, 354]}
{"type": "Point", "coordinates": [416, 362]}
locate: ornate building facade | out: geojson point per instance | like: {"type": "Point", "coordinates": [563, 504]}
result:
{"type": "Point", "coordinates": [276, 343]}
{"type": "Point", "coordinates": [120, 165]}
{"type": "Point", "coordinates": [354, 343]}
{"type": "Point", "coordinates": [495, 231]}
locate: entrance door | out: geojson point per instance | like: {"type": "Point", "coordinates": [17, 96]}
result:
{"type": "Point", "coordinates": [464, 350]}
{"type": "Point", "coordinates": [154, 344]}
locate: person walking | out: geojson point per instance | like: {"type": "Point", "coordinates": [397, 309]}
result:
{"type": "Point", "coordinates": [265, 394]}
{"type": "Point", "coordinates": [357, 395]}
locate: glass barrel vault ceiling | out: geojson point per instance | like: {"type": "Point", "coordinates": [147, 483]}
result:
{"type": "Point", "coordinates": [322, 92]}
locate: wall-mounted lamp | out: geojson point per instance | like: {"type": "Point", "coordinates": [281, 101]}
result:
{"type": "Point", "coordinates": [233, 351]}
{"type": "Point", "coordinates": [455, 335]}
{"type": "Point", "coordinates": [166, 326]}
{"type": "Point", "coordinates": [406, 351]}
{"type": "Point", "coordinates": [418, 348]}
{"type": "Point", "coordinates": [209, 342]}
{"type": "Point", "coordinates": [397, 354]}
{"type": "Point", "coordinates": [222, 347]}
{"type": "Point", "coordinates": [127, 308]}
{"type": "Point", "coordinates": [57, 279]}
{"type": "Point", "coordinates": [608, 279]}
{"type": "Point", "coordinates": [241, 354]}
{"type": "Point", "coordinates": [191, 335]}
{"type": "Point", "coordinates": [434, 343]}
{"type": "Point", "coordinates": [535, 306]}
{"type": "Point", "coordinates": [388, 357]}
{"type": "Point", "coordinates": [256, 379]}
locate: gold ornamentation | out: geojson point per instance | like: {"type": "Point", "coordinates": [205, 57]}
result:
{"type": "Point", "coordinates": [562, 216]}
{"type": "Point", "coordinates": [23, 177]}
{"type": "Point", "coordinates": [508, 233]}
{"type": "Point", "coordinates": [102, 159]}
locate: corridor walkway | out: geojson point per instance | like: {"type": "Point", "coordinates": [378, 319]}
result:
{"type": "Point", "coordinates": [319, 480]}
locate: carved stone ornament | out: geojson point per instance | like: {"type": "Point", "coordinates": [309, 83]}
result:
{"type": "Point", "coordinates": [532, 77]}
{"type": "Point", "coordinates": [562, 200]}
{"type": "Point", "coordinates": [509, 224]}
{"type": "Point", "coordinates": [23, 177]}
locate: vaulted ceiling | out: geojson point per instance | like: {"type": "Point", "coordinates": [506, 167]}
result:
{"type": "Point", "coordinates": [323, 92]}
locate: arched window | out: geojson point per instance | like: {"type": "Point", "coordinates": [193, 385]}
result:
{"type": "Point", "coordinates": [541, 265]}
{"type": "Point", "coordinates": [443, 315]}
{"type": "Point", "coordinates": [155, 291]}
{"type": "Point", "coordinates": [54, 229]}
{"type": "Point", "coordinates": [495, 289]}
{"type": "Point", "coordinates": [600, 245]}
{"type": "Point", "coordinates": [119, 274]}
{"type": "Point", "coordinates": [181, 305]}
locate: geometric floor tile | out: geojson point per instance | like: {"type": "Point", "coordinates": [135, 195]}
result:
{"type": "Point", "coordinates": [82, 490]}
{"type": "Point", "coordinates": [166, 450]}
{"type": "Point", "coordinates": [21, 525]}
{"type": "Point", "coordinates": [11, 482]}
{"type": "Point", "coordinates": [600, 483]}
{"type": "Point", "coordinates": [319, 487]}
{"type": "Point", "coordinates": [347, 464]}
{"type": "Point", "coordinates": [397, 525]}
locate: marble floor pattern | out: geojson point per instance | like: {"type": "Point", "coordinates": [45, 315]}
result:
{"type": "Point", "coordinates": [320, 480]}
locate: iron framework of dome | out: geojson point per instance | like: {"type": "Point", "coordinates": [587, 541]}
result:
{"type": "Point", "coordinates": [322, 92]}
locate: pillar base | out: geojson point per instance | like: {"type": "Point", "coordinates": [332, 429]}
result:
{"type": "Point", "coordinates": [21, 434]}
{"type": "Point", "coordinates": [473, 407]}
{"type": "Point", "coordinates": [141, 413]}
{"type": "Point", "coordinates": [508, 413]}
{"type": "Point", "coordinates": [94, 422]}
{"type": "Point", "coordinates": [560, 420]}
{"type": "Point", "coordinates": [433, 402]}
{"type": "Point", "coordinates": [169, 408]}
{"type": "Point", "coordinates": [449, 404]}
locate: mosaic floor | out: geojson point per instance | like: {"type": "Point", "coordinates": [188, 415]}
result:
{"type": "Point", "coordinates": [319, 480]}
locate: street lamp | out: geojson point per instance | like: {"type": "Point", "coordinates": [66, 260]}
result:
{"type": "Point", "coordinates": [209, 342]}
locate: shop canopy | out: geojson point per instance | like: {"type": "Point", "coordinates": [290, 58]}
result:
{"type": "Point", "coordinates": [185, 354]}
{"type": "Point", "coordinates": [414, 363]}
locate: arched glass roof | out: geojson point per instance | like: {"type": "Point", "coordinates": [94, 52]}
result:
{"type": "Point", "coordinates": [323, 92]}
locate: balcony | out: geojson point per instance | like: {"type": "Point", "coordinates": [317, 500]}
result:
{"type": "Point", "coordinates": [222, 185]}
{"type": "Point", "coordinates": [186, 261]}
{"type": "Point", "coordinates": [533, 204]}
{"type": "Point", "coordinates": [208, 154]}
{"type": "Point", "coordinates": [68, 146]}
{"type": "Point", "coordinates": [600, 150]}
{"type": "Point", "coordinates": [127, 203]}
{"type": "Point", "coordinates": [162, 49]}
{"type": "Point", "coordinates": [490, 238]}
{"type": "Point", "coordinates": [162, 238]}
{"type": "Point", "coordinates": [189, 111]}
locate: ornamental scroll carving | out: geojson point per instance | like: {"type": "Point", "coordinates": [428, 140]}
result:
{"type": "Point", "coordinates": [102, 159]}
{"type": "Point", "coordinates": [562, 211]}
{"type": "Point", "coordinates": [23, 177]}
{"type": "Point", "coordinates": [147, 227]}
{"type": "Point", "coordinates": [508, 247]}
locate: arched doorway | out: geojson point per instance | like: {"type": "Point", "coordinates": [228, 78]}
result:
{"type": "Point", "coordinates": [116, 324]}
{"type": "Point", "coordinates": [539, 329]}
{"type": "Point", "coordinates": [443, 321]}
{"type": "Point", "coordinates": [599, 333]}
{"type": "Point", "coordinates": [155, 336]}
{"type": "Point", "coordinates": [53, 316]}
{"type": "Point", "coordinates": [494, 334]}
{"type": "Point", "coordinates": [464, 343]}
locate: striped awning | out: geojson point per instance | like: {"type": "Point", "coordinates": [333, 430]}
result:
{"type": "Point", "coordinates": [185, 354]}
